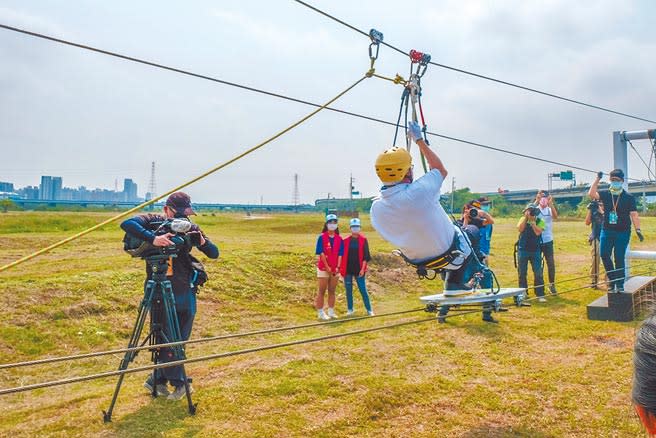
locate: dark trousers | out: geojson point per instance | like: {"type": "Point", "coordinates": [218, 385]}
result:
{"type": "Point", "coordinates": [455, 278]}
{"type": "Point", "coordinates": [548, 252]}
{"type": "Point", "coordinates": [362, 287]}
{"type": "Point", "coordinates": [614, 243]}
{"type": "Point", "coordinates": [185, 308]}
{"type": "Point", "coordinates": [535, 258]}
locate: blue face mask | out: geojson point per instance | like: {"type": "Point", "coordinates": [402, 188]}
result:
{"type": "Point", "coordinates": [616, 186]}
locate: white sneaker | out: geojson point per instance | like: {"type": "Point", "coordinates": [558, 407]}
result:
{"type": "Point", "coordinates": [331, 313]}
{"type": "Point", "coordinates": [350, 312]}
{"type": "Point", "coordinates": [542, 300]}
{"type": "Point", "coordinates": [322, 315]}
{"type": "Point", "coordinates": [370, 313]}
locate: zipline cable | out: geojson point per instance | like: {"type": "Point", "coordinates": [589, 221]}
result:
{"type": "Point", "coordinates": [251, 333]}
{"type": "Point", "coordinates": [202, 340]}
{"type": "Point", "coordinates": [244, 351]}
{"type": "Point", "coordinates": [291, 99]}
{"type": "Point", "coordinates": [181, 186]}
{"type": "Point", "coordinates": [208, 357]}
{"type": "Point", "coordinates": [478, 75]}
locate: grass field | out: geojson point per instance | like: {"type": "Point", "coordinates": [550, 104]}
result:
{"type": "Point", "coordinates": [544, 371]}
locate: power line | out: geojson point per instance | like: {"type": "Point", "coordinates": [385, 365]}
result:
{"type": "Point", "coordinates": [285, 97]}
{"type": "Point", "coordinates": [478, 75]}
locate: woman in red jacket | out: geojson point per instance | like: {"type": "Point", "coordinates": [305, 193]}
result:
{"type": "Point", "coordinates": [355, 257]}
{"type": "Point", "coordinates": [329, 258]}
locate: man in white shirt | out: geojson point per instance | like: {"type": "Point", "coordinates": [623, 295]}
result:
{"type": "Point", "coordinates": [408, 213]}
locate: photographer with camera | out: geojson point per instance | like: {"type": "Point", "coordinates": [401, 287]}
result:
{"type": "Point", "coordinates": [531, 227]}
{"type": "Point", "coordinates": [185, 273]}
{"type": "Point", "coordinates": [595, 218]}
{"type": "Point", "coordinates": [619, 212]}
{"type": "Point", "coordinates": [548, 214]}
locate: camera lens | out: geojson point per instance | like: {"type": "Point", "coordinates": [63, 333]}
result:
{"type": "Point", "coordinates": [473, 213]}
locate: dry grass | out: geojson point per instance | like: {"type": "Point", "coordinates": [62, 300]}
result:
{"type": "Point", "coordinates": [544, 371]}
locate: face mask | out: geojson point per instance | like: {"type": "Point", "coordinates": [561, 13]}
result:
{"type": "Point", "coordinates": [355, 229]}
{"type": "Point", "coordinates": [485, 207]}
{"type": "Point", "coordinates": [544, 202]}
{"type": "Point", "coordinates": [331, 227]}
{"type": "Point", "coordinates": [616, 187]}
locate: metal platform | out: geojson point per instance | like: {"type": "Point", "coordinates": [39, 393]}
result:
{"type": "Point", "coordinates": [478, 297]}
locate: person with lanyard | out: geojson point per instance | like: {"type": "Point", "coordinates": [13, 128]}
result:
{"type": "Point", "coordinates": [530, 227]}
{"type": "Point", "coordinates": [619, 212]}
{"type": "Point", "coordinates": [548, 213]}
{"type": "Point", "coordinates": [355, 260]}
{"type": "Point", "coordinates": [329, 258]}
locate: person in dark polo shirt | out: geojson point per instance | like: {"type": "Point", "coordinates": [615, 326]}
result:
{"type": "Point", "coordinates": [619, 212]}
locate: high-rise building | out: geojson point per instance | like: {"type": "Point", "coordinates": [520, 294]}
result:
{"type": "Point", "coordinates": [129, 190]}
{"type": "Point", "coordinates": [50, 187]}
{"type": "Point", "coordinates": [6, 187]}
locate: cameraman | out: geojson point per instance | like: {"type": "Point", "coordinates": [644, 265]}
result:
{"type": "Point", "coordinates": [619, 212]}
{"type": "Point", "coordinates": [184, 281]}
{"type": "Point", "coordinates": [595, 218]}
{"type": "Point", "coordinates": [530, 228]}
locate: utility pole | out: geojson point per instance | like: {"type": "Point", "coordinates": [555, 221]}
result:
{"type": "Point", "coordinates": [296, 195]}
{"type": "Point", "coordinates": [453, 189]}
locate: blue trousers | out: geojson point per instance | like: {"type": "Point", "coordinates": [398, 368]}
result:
{"type": "Point", "coordinates": [535, 258]}
{"type": "Point", "coordinates": [362, 286]}
{"type": "Point", "coordinates": [615, 243]}
{"type": "Point", "coordinates": [185, 308]}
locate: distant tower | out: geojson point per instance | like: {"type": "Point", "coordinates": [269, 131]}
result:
{"type": "Point", "coordinates": [152, 187]}
{"type": "Point", "coordinates": [296, 196]}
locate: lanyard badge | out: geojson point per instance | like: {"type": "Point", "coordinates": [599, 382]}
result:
{"type": "Point", "coordinates": [612, 218]}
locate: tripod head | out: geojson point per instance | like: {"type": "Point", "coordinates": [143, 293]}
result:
{"type": "Point", "coordinates": [159, 264]}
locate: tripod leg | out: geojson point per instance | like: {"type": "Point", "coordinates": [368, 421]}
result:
{"type": "Point", "coordinates": [174, 327]}
{"type": "Point", "coordinates": [144, 310]}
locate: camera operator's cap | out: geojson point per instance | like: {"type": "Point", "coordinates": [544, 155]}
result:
{"type": "Point", "coordinates": [530, 206]}
{"type": "Point", "coordinates": [475, 203]}
{"type": "Point", "coordinates": [484, 200]}
{"type": "Point", "coordinates": [355, 222]}
{"type": "Point", "coordinates": [181, 203]}
{"type": "Point", "coordinates": [617, 173]}
{"type": "Point", "coordinates": [331, 217]}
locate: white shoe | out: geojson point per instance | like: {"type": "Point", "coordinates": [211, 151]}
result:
{"type": "Point", "coordinates": [350, 312]}
{"type": "Point", "coordinates": [542, 300]}
{"type": "Point", "coordinates": [370, 313]}
{"type": "Point", "coordinates": [322, 315]}
{"type": "Point", "coordinates": [331, 313]}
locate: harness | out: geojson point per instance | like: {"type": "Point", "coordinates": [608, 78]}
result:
{"type": "Point", "coordinates": [436, 264]}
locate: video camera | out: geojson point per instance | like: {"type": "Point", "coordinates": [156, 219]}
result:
{"type": "Point", "coordinates": [593, 206]}
{"type": "Point", "coordinates": [182, 238]}
{"type": "Point", "coordinates": [533, 211]}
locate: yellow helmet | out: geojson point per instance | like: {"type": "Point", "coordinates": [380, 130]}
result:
{"type": "Point", "coordinates": [393, 164]}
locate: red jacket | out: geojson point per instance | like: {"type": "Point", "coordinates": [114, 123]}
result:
{"type": "Point", "coordinates": [331, 252]}
{"type": "Point", "coordinates": [347, 244]}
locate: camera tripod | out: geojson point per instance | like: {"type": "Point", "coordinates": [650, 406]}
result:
{"type": "Point", "coordinates": [159, 302]}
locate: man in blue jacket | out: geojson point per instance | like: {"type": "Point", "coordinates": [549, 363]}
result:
{"type": "Point", "coordinates": [184, 282]}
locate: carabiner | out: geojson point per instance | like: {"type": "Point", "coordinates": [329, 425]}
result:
{"type": "Point", "coordinates": [421, 59]}
{"type": "Point", "coordinates": [376, 38]}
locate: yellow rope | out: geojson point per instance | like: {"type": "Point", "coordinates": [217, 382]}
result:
{"type": "Point", "coordinates": [180, 187]}
{"type": "Point", "coordinates": [398, 79]}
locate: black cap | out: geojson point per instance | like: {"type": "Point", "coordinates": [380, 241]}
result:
{"type": "Point", "coordinates": [617, 173]}
{"type": "Point", "coordinates": [181, 203]}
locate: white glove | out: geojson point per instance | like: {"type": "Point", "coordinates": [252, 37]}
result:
{"type": "Point", "coordinates": [414, 131]}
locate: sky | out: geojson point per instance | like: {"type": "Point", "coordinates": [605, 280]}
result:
{"type": "Point", "coordinates": [93, 119]}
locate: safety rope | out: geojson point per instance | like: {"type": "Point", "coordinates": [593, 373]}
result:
{"type": "Point", "coordinates": [181, 186]}
{"type": "Point", "coordinates": [202, 340]}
